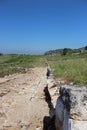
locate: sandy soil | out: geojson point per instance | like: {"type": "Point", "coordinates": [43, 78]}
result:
{"type": "Point", "coordinates": [22, 102]}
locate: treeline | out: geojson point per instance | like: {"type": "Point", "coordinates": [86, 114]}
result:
{"type": "Point", "coordinates": [66, 51]}
{"type": "Point", "coordinates": [1, 54]}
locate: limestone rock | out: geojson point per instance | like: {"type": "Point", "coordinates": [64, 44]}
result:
{"type": "Point", "coordinates": [71, 108]}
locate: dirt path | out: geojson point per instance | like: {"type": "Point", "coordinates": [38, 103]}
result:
{"type": "Point", "coordinates": [26, 99]}
{"type": "Point", "coordinates": [22, 104]}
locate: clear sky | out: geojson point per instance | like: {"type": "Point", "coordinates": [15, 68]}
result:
{"type": "Point", "coordinates": [35, 26]}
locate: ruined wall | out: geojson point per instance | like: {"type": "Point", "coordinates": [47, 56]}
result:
{"type": "Point", "coordinates": [71, 108]}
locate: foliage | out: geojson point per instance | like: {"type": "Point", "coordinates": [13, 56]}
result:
{"type": "Point", "coordinates": [1, 54]}
{"type": "Point", "coordinates": [85, 47]}
{"type": "Point", "coordinates": [10, 64]}
{"type": "Point", "coordinates": [65, 51]}
{"type": "Point", "coordinates": [72, 68]}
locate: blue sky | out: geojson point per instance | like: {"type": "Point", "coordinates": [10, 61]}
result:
{"type": "Point", "coordinates": [35, 26]}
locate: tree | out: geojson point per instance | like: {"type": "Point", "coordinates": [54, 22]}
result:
{"type": "Point", "coordinates": [1, 54]}
{"type": "Point", "coordinates": [65, 50]}
{"type": "Point", "coordinates": [85, 47]}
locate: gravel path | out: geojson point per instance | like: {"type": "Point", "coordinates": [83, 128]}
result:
{"type": "Point", "coordinates": [22, 104]}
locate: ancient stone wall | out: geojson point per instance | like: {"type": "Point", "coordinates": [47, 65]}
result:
{"type": "Point", "coordinates": [71, 108]}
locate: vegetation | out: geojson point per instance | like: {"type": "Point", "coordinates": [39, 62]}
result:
{"type": "Point", "coordinates": [13, 63]}
{"type": "Point", "coordinates": [72, 67]}
{"type": "Point", "coordinates": [66, 51]}
{"type": "Point", "coordinates": [1, 54]}
{"type": "Point", "coordinates": [85, 47]}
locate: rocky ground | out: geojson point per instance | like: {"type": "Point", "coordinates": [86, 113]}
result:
{"type": "Point", "coordinates": [27, 101]}
{"type": "Point", "coordinates": [22, 104]}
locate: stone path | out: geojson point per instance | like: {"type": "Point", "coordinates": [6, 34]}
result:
{"type": "Point", "coordinates": [22, 104]}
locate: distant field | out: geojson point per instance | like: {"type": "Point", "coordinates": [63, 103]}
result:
{"type": "Point", "coordinates": [10, 64]}
{"type": "Point", "coordinates": [71, 67]}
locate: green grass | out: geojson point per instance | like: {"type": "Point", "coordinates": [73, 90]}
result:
{"type": "Point", "coordinates": [71, 68]}
{"type": "Point", "coordinates": [10, 64]}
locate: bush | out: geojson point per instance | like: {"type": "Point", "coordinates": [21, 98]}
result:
{"type": "Point", "coordinates": [1, 54]}
{"type": "Point", "coordinates": [65, 51]}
